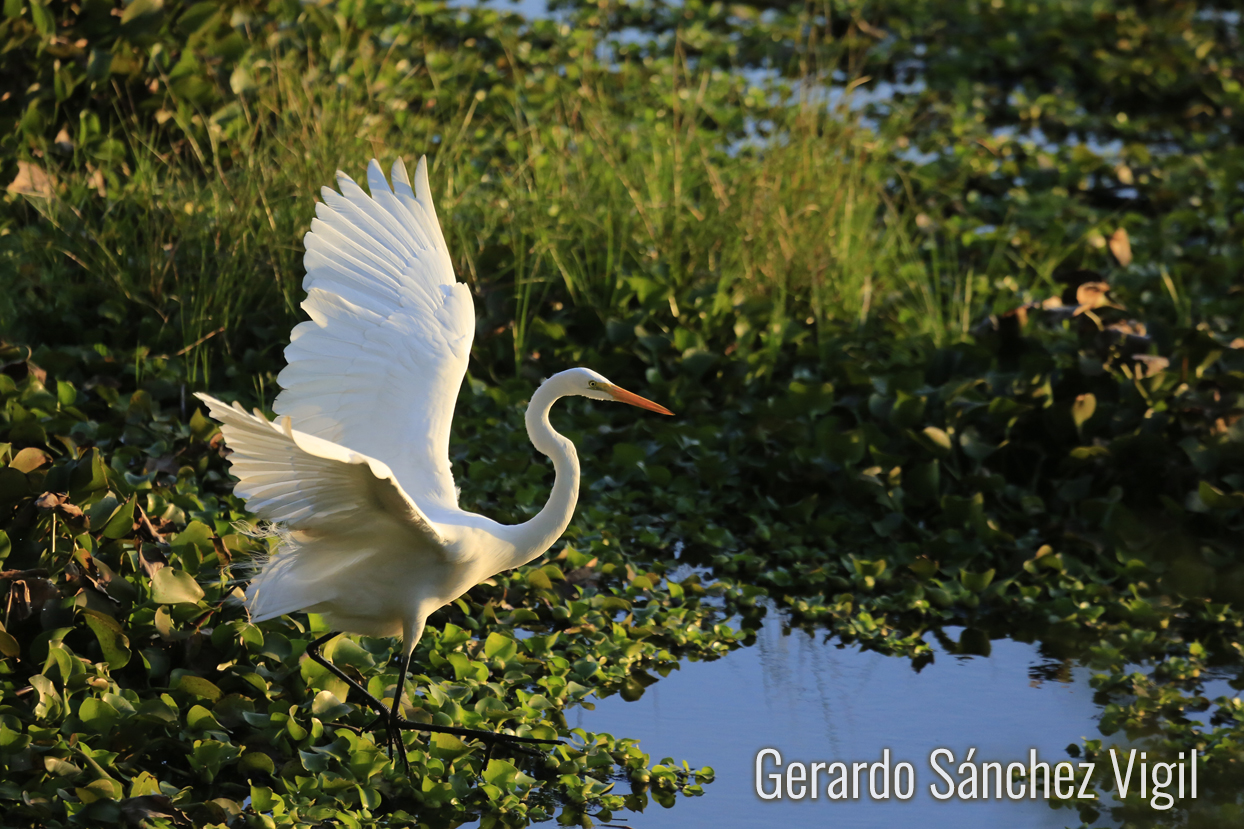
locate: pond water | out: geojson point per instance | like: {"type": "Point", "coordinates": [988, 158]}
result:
{"type": "Point", "coordinates": [817, 702]}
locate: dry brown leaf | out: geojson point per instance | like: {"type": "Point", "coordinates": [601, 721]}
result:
{"type": "Point", "coordinates": [63, 141]}
{"type": "Point", "coordinates": [1092, 295]}
{"type": "Point", "coordinates": [1151, 364]}
{"type": "Point", "coordinates": [151, 561]}
{"type": "Point", "coordinates": [50, 500]}
{"type": "Point", "coordinates": [27, 595]}
{"type": "Point", "coordinates": [31, 180]}
{"type": "Point", "coordinates": [1121, 247]}
{"type": "Point", "coordinates": [30, 459]}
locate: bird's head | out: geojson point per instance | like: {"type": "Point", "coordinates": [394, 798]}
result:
{"type": "Point", "coordinates": [587, 383]}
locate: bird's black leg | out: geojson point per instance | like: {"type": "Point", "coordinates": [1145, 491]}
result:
{"type": "Point", "coordinates": [395, 719]}
{"type": "Point", "coordinates": [313, 652]}
{"type": "Point", "coordinates": [393, 722]}
{"type": "Point", "coordinates": [386, 716]}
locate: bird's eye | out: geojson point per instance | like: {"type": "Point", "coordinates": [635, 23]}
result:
{"type": "Point", "coordinates": [591, 384]}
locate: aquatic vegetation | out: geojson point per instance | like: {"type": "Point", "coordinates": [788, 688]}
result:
{"type": "Point", "coordinates": [945, 298]}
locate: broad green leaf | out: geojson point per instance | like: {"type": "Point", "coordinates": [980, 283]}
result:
{"type": "Point", "coordinates": [500, 773]}
{"type": "Point", "coordinates": [449, 747]}
{"type": "Point", "coordinates": [198, 686]}
{"type": "Point", "coordinates": [121, 522]}
{"type": "Point", "coordinates": [171, 586]}
{"type": "Point", "coordinates": [1083, 408]}
{"type": "Point", "coordinates": [498, 646]}
{"type": "Point", "coordinates": [112, 641]}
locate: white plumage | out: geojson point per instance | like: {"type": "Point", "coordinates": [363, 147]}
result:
{"type": "Point", "coordinates": [356, 467]}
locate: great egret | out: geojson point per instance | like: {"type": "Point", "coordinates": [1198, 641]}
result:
{"type": "Point", "coordinates": [356, 467]}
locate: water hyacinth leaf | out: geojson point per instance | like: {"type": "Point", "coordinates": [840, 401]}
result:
{"type": "Point", "coordinates": [976, 582]}
{"type": "Point", "coordinates": [449, 747]}
{"type": "Point", "coordinates": [13, 485]}
{"type": "Point", "coordinates": [112, 640]}
{"type": "Point", "coordinates": [1083, 408]}
{"type": "Point", "coordinates": [9, 646]}
{"type": "Point", "coordinates": [196, 533]}
{"type": "Point", "coordinates": [500, 773]}
{"type": "Point", "coordinates": [172, 586]}
{"type": "Point", "coordinates": [499, 646]}
{"type": "Point", "coordinates": [923, 481]}
{"type": "Point", "coordinates": [844, 448]}
{"type": "Point", "coordinates": [492, 709]}
{"type": "Point", "coordinates": [345, 651]}
{"type": "Point", "coordinates": [974, 446]}
{"type": "Point", "coordinates": [1216, 499]}
{"type": "Point", "coordinates": [197, 686]}
{"type": "Point", "coordinates": [210, 756]}
{"type": "Point", "coordinates": [908, 410]}
{"type": "Point", "coordinates": [326, 707]}
{"type": "Point", "coordinates": [256, 761]}
{"type": "Point", "coordinates": [29, 459]}
{"type": "Point", "coordinates": [104, 788]}
{"type": "Point", "coordinates": [98, 715]}
{"type": "Point", "coordinates": [121, 522]}
{"type": "Point", "coordinates": [144, 783]}
{"type": "Point", "coordinates": [936, 440]}
{"type": "Point", "coordinates": [627, 455]}
{"type": "Point", "coordinates": [49, 705]}
{"type": "Point", "coordinates": [200, 719]}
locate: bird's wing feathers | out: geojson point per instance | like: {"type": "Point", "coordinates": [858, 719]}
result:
{"type": "Point", "coordinates": [378, 367]}
{"type": "Point", "coordinates": [310, 484]}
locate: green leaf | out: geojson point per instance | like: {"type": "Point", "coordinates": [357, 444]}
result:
{"type": "Point", "coordinates": [49, 701]}
{"type": "Point", "coordinates": [197, 686]}
{"type": "Point", "coordinates": [936, 441]}
{"type": "Point", "coordinates": [200, 719]}
{"type": "Point", "coordinates": [141, 8]}
{"type": "Point", "coordinates": [500, 773]}
{"type": "Point", "coordinates": [449, 747]}
{"type": "Point", "coordinates": [1082, 408]}
{"type": "Point", "coordinates": [171, 586]}
{"type": "Point", "coordinates": [9, 646]}
{"type": "Point", "coordinates": [112, 640]}
{"type": "Point", "coordinates": [327, 708]}
{"type": "Point", "coordinates": [498, 646]}
{"type": "Point", "coordinates": [256, 761]}
{"type": "Point", "coordinates": [44, 22]}
{"type": "Point", "coordinates": [976, 582]}
{"type": "Point", "coordinates": [845, 448]}
{"type": "Point", "coordinates": [1215, 498]}
{"type": "Point", "coordinates": [121, 522]}
{"type": "Point", "coordinates": [98, 715]}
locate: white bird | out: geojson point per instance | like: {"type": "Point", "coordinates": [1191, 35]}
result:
{"type": "Point", "coordinates": [356, 467]}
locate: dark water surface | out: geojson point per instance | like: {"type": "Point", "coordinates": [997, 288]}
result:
{"type": "Point", "coordinates": [817, 702]}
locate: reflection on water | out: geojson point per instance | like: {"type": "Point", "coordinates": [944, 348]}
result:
{"type": "Point", "coordinates": [817, 702]}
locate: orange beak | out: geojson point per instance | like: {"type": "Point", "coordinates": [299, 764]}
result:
{"type": "Point", "coordinates": [623, 396]}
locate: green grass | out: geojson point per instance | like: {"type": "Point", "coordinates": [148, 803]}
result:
{"type": "Point", "coordinates": [608, 208]}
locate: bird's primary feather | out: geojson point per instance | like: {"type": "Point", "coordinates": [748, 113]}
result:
{"type": "Point", "coordinates": [386, 348]}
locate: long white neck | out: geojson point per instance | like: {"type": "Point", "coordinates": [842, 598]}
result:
{"type": "Point", "coordinates": [533, 537]}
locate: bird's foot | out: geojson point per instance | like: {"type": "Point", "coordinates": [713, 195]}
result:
{"type": "Point", "coordinates": [490, 739]}
{"type": "Point", "coordinates": [390, 729]}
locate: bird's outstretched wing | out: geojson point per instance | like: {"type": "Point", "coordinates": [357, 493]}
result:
{"type": "Point", "coordinates": [378, 367]}
{"type": "Point", "coordinates": [308, 484]}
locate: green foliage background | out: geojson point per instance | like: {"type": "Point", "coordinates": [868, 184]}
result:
{"type": "Point", "coordinates": [855, 245]}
